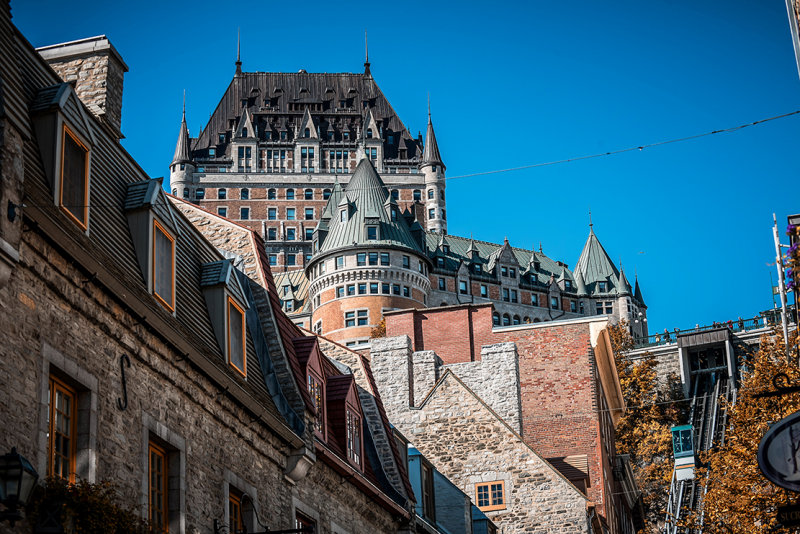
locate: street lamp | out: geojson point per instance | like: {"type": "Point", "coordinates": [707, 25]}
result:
{"type": "Point", "coordinates": [641, 320]}
{"type": "Point", "coordinates": [17, 480]}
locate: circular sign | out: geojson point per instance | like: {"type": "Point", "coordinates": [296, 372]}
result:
{"type": "Point", "coordinates": [779, 453]}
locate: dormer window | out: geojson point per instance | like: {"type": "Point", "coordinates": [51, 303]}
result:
{"type": "Point", "coordinates": [369, 134]}
{"type": "Point", "coordinates": [440, 262]}
{"type": "Point", "coordinates": [343, 215]}
{"type": "Point", "coordinates": [74, 183]}
{"type": "Point", "coordinates": [317, 392]}
{"type": "Point", "coordinates": [503, 270]}
{"type": "Point", "coordinates": [372, 233]}
{"type": "Point", "coordinates": [478, 268]}
{"type": "Point", "coordinates": [163, 266]}
{"type": "Point", "coordinates": [512, 272]}
{"type": "Point", "coordinates": [221, 138]}
{"type": "Point", "coordinates": [353, 437]}
{"type": "Point", "coordinates": [446, 249]}
{"type": "Point", "coordinates": [236, 337]}
{"type": "Point", "coordinates": [603, 287]}
{"type": "Point", "coordinates": [307, 132]}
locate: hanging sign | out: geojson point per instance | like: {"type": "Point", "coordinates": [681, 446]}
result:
{"type": "Point", "coordinates": [779, 453]}
{"type": "Point", "coordinates": [789, 516]}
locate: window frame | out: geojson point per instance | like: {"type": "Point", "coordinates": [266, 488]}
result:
{"type": "Point", "coordinates": [232, 302]}
{"type": "Point", "coordinates": [54, 386]}
{"type": "Point", "coordinates": [160, 451]}
{"type": "Point", "coordinates": [353, 420]}
{"type": "Point", "coordinates": [66, 130]}
{"type": "Point", "coordinates": [488, 485]}
{"type": "Point", "coordinates": [157, 226]}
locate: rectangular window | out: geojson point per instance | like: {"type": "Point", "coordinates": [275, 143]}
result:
{"type": "Point", "coordinates": [603, 287]}
{"type": "Point", "coordinates": [235, 523]}
{"type": "Point", "coordinates": [573, 306]}
{"type": "Point", "coordinates": [309, 234]}
{"type": "Point", "coordinates": [273, 260]}
{"type": "Point", "coordinates": [505, 294]}
{"type": "Point", "coordinates": [362, 289]}
{"type": "Point", "coordinates": [351, 290]}
{"type": "Point", "coordinates": [163, 266]}
{"type": "Point", "coordinates": [200, 193]}
{"type": "Point", "coordinates": [291, 233]}
{"type": "Point", "coordinates": [491, 496]}
{"type": "Point", "coordinates": [554, 302]}
{"type": "Point", "coordinates": [396, 289]}
{"type": "Point", "coordinates": [385, 289]}
{"type": "Point", "coordinates": [504, 270]}
{"type": "Point", "coordinates": [512, 272]}
{"type": "Point", "coordinates": [289, 214]}
{"type": "Point", "coordinates": [354, 437]}
{"type": "Point", "coordinates": [309, 214]}
{"type": "Point", "coordinates": [62, 417]}
{"type": "Point", "coordinates": [421, 267]}
{"type": "Point", "coordinates": [222, 212]}
{"type": "Point", "coordinates": [74, 190]}
{"type": "Point", "coordinates": [363, 317]}
{"type": "Point", "coordinates": [157, 488]}
{"type": "Point", "coordinates": [534, 299]}
{"type": "Point", "coordinates": [478, 268]}
{"type": "Point", "coordinates": [484, 291]}
{"type": "Point", "coordinates": [431, 213]}
{"type": "Point", "coordinates": [406, 262]}
{"type": "Point", "coordinates": [301, 521]}
{"type": "Point", "coordinates": [442, 284]}
{"type": "Point", "coordinates": [339, 262]}
{"type": "Point", "coordinates": [339, 292]}
{"type": "Point", "coordinates": [315, 390]}
{"type": "Point", "coordinates": [272, 214]}
{"type": "Point", "coordinates": [428, 499]}
{"type": "Point", "coordinates": [440, 262]}
{"type": "Point", "coordinates": [406, 291]}
{"type": "Point", "coordinates": [373, 258]}
{"type": "Point", "coordinates": [222, 194]}
{"type": "Point", "coordinates": [245, 214]}
{"type": "Point", "coordinates": [514, 295]}
{"type": "Point", "coordinates": [372, 233]}
{"type": "Point", "coordinates": [361, 258]}
{"type": "Point", "coordinates": [349, 319]}
{"type": "Point", "coordinates": [384, 258]}
{"type": "Point", "coordinates": [599, 308]}
{"type": "Point", "coordinates": [236, 337]}
{"type": "Point", "coordinates": [272, 234]}
{"type": "Point", "coordinates": [462, 287]}
{"type": "Point", "coordinates": [373, 288]}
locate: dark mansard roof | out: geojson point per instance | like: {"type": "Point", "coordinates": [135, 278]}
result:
{"type": "Point", "coordinates": [281, 98]}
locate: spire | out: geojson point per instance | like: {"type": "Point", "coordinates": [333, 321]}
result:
{"type": "Point", "coordinates": [637, 293]}
{"type": "Point", "coordinates": [594, 263]}
{"type": "Point", "coordinates": [472, 250]}
{"type": "Point", "coordinates": [182, 146]}
{"type": "Point", "coordinates": [580, 285]}
{"type": "Point", "coordinates": [624, 287]}
{"type": "Point", "coordinates": [366, 53]}
{"type": "Point", "coordinates": [238, 54]}
{"type": "Point", "coordinates": [431, 155]}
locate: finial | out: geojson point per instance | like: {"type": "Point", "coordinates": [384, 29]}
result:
{"type": "Point", "coordinates": [540, 248]}
{"type": "Point", "coordinates": [184, 105]}
{"type": "Point", "coordinates": [429, 106]}
{"type": "Point", "coordinates": [238, 52]}
{"type": "Point", "coordinates": [366, 55]}
{"type": "Point", "coordinates": [590, 217]}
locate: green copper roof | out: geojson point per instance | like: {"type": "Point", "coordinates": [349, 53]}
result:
{"type": "Point", "coordinates": [637, 293]}
{"type": "Point", "coordinates": [595, 266]}
{"type": "Point", "coordinates": [624, 287]}
{"type": "Point", "coordinates": [365, 195]}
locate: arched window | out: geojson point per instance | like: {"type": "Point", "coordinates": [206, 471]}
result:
{"type": "Point", "coordinates": [516, 319]}
{"type": "Point", "coordinates": [526, 320]}
{"type": "Point", "coordinates": [417, 194]}
{"type": "Point", "coordinates": [506, 319]}
{"type": "Point", "coordinates": [537, 320]}
{"type": "Point", "coordinates": [308, 194]}
{"type": "Point", "coordinates": [395, 194]}
{"type": "Point", "coordinates": [307, 133]}
{"type": "Point", "coordinates": [271, 194]}
{"type": "Point", "coordinates": [222, 193]}
{"type": "Point", "coordinates": [496, 319]}
{"type": "Point", "coordinates": [290, 194]}
{"type": "Point", "coordinates": [369, 134]}
{"type": "Point", "coordinates": [326, 194]}
{"type": "Point", "coordinates": [245, 194]}
{"type": "Point", "coordinates": [430, 194]}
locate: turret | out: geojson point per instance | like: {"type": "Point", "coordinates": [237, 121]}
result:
{"type": "Point", "coordinates": [181, 170]}
{"type": "Point", "coordinates": [433, 169]}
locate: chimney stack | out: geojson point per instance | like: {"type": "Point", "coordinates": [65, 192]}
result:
{"type": "Point", "coordinates": [97, 70]}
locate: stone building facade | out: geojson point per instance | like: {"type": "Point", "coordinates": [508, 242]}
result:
{"type": "Point", "coordinates": [554, 384]}
{"type": "Point", "coordinates": [152, 352]}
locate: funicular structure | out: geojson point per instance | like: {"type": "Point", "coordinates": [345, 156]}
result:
{"type": "Point", "coordinates": [708, 373]}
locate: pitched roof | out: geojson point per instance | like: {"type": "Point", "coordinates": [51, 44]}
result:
{"type": "Point", "coordinates": [624, 288]}
{"type": "Point", "coordinates": [366, 195]}
{"type": "Point", "coordinates": [182, 146]}
{"type": "Point", "coordinates": [637, 293]}
{"type": "Point", "coordinates": [269, 95]}
{"type": "Point", "coordinates": [596, 266]}
{"type": "Point", "coordinates": [298, 289]}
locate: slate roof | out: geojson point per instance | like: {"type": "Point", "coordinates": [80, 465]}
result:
{"type": "Point", "coordinates": [268, 96]}
{"type": "Point", "coordinates": [596, 266]}
{"type": "Point", "coordinates": [366, 195]}
{"type": "Point", "coordinates": [298, 289]}
{"type": "Point", "coordinates": [431, 153]}
{"type": "Point", "coordinates": [459, 252]}
{"type": "Point", "coordinates": [182, 146]}
{"type": "Point", "coordinates": [637, 293]}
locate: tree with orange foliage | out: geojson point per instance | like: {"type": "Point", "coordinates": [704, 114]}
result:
{"type": "Point", "coordinates": [739, 500]}
{"type": "Point", "coordinates": [644, 431]}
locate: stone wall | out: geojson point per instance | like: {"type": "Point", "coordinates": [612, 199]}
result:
{"type": "Point", "coordinates": [469, 445]}
{"type": "Point", "coordinates": [495, 379]}
{"type": "Point", "coordinates": [58, 321]}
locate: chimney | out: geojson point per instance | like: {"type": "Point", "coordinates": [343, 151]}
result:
{"type": "Point", "coordinates": [97, 70]}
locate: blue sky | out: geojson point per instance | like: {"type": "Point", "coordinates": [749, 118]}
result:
{"type": "Point", "coordinates": [518, 83]}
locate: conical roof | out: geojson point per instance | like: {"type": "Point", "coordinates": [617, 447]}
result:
{"type": "Point", "coordinates": [182, 146]}
{"type": "Point", "coordinates": [624, 288]}
{"type": "Point", "coordinates": [431, 153]}
{"type": "Point", "coordinates": [594, 264]}
{"type": "Point", "coordinates": [637, 294]}
{"type": "Point", "coordinates": [330, 207]}
{"type": "Point", "coordinates": [366, 195]}
{"type": "Point", "coordinates": [580, 285]}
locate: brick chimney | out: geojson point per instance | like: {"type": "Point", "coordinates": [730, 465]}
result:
{"type": "Point", "coordinates": [97, 70]}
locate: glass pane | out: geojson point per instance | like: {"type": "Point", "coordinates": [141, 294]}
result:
{"type": "Point", "coordinates": [236, 335]}
{"type": "Point", "coordinates": [73, 178]}
{"type": "Point", "coordinates": [163, 266]}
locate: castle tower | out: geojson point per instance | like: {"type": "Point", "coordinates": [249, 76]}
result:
{"type": "Point", "coordinates": [366, 261]}
{"type": "Point", "coordinates": [181, 169]}
{"type": "Point", "coordinates": [433, 169]}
